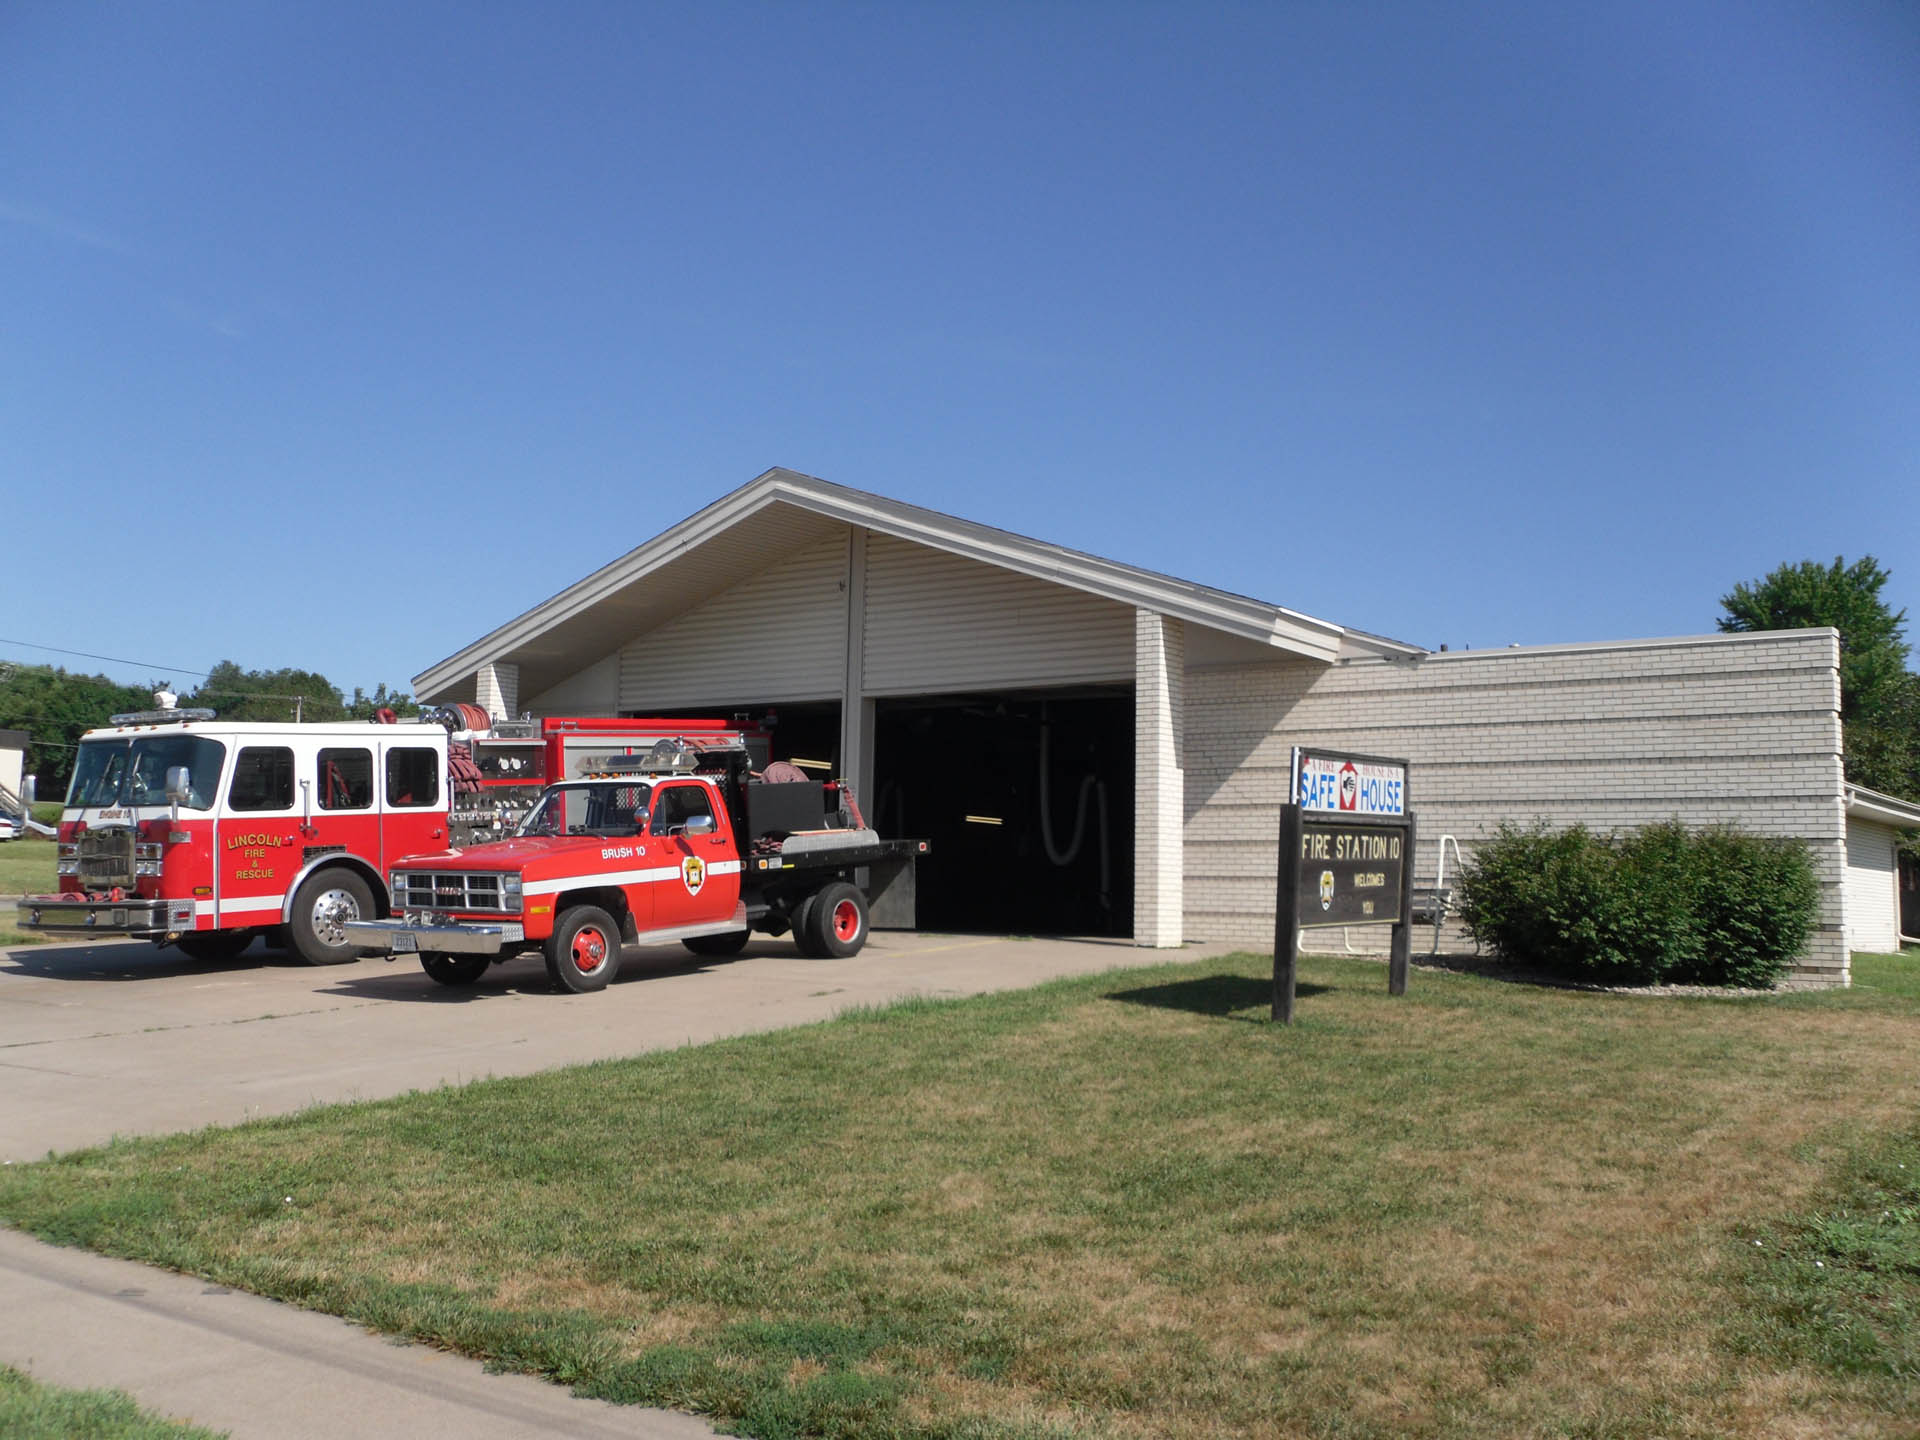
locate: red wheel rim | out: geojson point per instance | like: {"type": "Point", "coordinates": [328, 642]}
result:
{"type": "Point", "coordinates": [846, 920]}
{"type": "Point", "coordinates": [589, 949]}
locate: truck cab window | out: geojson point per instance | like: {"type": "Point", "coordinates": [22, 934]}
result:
{"type": "Point", "coordinates": [345, 779]}
{"type": "Point", "coordinates": [413, 776]}
{"type": "Point", "coordinates": [674, 805]}
{"type": "Point", "coordinates": [262, 779]}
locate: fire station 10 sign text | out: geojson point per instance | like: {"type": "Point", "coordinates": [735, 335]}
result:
{"type": "Point", "coordinates": [1349, 874]}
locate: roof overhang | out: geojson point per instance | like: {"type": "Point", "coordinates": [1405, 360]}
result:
{"type": "Point", "coordinates": [769, 516]}
{"type": "Point", "coordinates": [1865, 804]}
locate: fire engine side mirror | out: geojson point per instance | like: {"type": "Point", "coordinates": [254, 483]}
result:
{"type": "Point", "coordinates": [28, 787]}
{"type": "Point", "coordinates": [179, 784]}
{"type": "Point", "coordinates": [701, 825]}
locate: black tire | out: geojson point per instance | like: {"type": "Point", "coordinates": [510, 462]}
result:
{"type": "Point", "coordinates": [836, 921]}
{"type": "Point", "coordinates": [323, 903]}
{"type": "Point", "coordinates": [455, 969]}
{"type": "Point", "coordinates": [731, 944]}
{"type": "Point", "coordinates": [584, 950]}
{"type": "Point", "coordinates": [802, 928]}
{"type": "Point", "coordinates": [214, 947]}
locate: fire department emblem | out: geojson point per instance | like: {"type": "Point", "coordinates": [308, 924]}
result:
{"type": "Point", "coordinates": [693, 873]}
{"type": "Point", "coordinates": [1326, 889]}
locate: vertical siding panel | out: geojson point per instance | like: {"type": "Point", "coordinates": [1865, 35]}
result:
{"type": "Point", "coordinates": [937, 622]}
{"type": "Point", "coordinates": [781, 635]}
{"type": "Point", "coordinates": [1873, 920]}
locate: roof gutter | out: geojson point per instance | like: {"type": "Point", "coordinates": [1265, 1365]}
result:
{"type": "Point", "coordinates": [1888, 809]}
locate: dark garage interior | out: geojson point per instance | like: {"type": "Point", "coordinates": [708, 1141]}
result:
{"type": "Point", "coordinates": [1012, 855]}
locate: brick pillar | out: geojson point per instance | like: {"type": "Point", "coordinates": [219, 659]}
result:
{"type": "Point", "coordinates": [497, 691]}
{"type": "Point", "coordinates": [1159, 778]}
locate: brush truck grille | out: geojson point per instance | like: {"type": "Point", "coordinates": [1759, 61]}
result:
{"type": "Point", "coordinates": [454, 890]}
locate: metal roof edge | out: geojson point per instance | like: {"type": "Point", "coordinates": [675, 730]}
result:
{"type": "Point", "coordinates": [1222, 610]}
{"type": "Point", "coordinates": [698, 527]}
{"type": "Point", "coordinates": [1666, 642]}
{"type": "Point", "coordinates": [1876, 805]}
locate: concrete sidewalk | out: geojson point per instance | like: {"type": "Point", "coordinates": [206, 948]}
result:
{"type": "Point", "coordinates": [255, 1368]}
{"type": "Point", "coordinates": [105, 1040]}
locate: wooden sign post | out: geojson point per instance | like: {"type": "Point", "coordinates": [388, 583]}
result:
{"type": "Point", "coordinates": [1346, 858]}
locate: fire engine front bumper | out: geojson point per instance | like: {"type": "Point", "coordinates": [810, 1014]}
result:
{"type": "Point", "coordinates": [413, 937]}
{"type": "Point", "coordinates": [79, 917]}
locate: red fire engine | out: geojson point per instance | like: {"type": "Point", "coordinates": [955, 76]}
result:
{"type": "Point", "coordinates": [500, 767]}
{"type": "Point", "coordinates": [188, 830]}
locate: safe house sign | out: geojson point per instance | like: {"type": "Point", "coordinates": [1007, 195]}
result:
{"type": "Point", "coordinates": [1357, 785]}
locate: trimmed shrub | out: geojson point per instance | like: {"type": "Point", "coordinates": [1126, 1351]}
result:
{"type": "Point", "coordinates": [1757, 907]}
{"type": "Point", "coordinates": [1713, 907]}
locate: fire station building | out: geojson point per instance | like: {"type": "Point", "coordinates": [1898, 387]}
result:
{"type": "Point", "coordinates": [1097, 749]}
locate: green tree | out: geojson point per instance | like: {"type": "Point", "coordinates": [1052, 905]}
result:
{"type": "Point", "coordinates": [365, 707]}
{"type": "Point", "coordinates": [1879, 696]}
{"type": "Point", "coordinates": [56, 709]}
{"type": "Point", "coordinates": [236, 694]}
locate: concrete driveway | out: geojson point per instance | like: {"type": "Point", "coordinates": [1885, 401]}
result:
{"type": "Point", "coordinates": [126, 1039]}
{"type": "Point", "coordinates": [105, 1040]}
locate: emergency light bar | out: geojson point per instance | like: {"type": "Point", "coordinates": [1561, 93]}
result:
{"type": "Point", "coordinates": [158, 717]}
{"type": "Point", "coordinates": [663, 757]}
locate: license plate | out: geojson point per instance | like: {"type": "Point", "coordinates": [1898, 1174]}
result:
{"type": "Point", "coordinates": [404, 943]}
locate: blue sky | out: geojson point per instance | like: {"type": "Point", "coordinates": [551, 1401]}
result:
{"type": "Point", "coordinates": [335, 335]}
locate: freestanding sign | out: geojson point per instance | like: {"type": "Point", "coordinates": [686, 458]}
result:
{"type": "Point", "coordinates": [1346, 858]}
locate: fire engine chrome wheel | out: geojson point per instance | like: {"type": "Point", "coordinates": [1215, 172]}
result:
{"type": "Point", "coordinates": [836, 921]}
{"type": "Point", "coordinates": [321, 908]}
{"type": "Point", "coordinates": [584, 949]}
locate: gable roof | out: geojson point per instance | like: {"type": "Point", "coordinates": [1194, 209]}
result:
{"type": "Point", "coordinates": [771, 514]}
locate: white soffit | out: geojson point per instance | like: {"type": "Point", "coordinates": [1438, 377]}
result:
{"type": "Point", "coordinates": [782, 509]}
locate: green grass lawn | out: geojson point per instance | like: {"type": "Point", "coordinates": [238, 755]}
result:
{"type": "Point", "coordinates": [1127, 1205]}
{"type": "Point", "coordinates": [32, 1411]}
{"type": "Point", "coordinates": [26, 866]}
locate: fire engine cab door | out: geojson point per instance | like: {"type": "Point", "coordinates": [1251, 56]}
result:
{"type": "Point", "coordinates": [413, 800]}
{"type": "Point", "coordinates": [261, 837]}
{"type": "Point", "coordinates": [706, 886]}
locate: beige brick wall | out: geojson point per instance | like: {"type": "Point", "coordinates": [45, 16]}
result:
{"type": "Point", "coordinates": [1743, 729]}
{"type": "Point", "coordinates": [1158, 785]}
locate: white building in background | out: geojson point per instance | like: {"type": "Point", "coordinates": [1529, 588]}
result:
{"type": "Point", "coordinates": [1096, 748]}
{"type": "Point", "coordinates": [13, 763]}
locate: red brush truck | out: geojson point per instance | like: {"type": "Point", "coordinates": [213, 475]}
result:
{"type": "Point", "coordinates": [685, 843]}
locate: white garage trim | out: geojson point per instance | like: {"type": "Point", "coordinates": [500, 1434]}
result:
{"type": "Point", "coordinates": [1872, 897]}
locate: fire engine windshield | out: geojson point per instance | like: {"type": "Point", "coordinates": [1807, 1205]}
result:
{"type": "Point", "coordinates": [600, 807]}
{"type": "Point", "coordinates": [134, 772]}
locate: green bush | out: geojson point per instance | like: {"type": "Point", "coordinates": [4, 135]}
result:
{"type": "Point", "coordinates": [1709, 907]}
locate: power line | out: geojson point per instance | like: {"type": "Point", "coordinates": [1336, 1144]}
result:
{"type": "Point", "coordinates": [110, 659]}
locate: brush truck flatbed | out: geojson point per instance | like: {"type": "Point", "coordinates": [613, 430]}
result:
{"type": "Point", "coordinates": [685, 843]}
